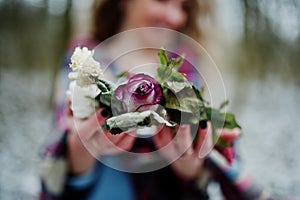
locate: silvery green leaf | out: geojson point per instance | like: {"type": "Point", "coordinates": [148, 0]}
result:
{"type": "Point", "coordinates": [105, 88]}
{"type": "Point", "coordinates": [103, 85]}
{"type": "Point", "coordinates": [178, 86]}
{"type": "Point", "coordinates": [132, 121]}
{"type": "Point", "coordinates": [182, 96]}
{"type": "Point", "coordinates": [105, 98]}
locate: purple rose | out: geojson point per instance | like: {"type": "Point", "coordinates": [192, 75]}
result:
{"type": "Point", "coordinates": [140, 93]}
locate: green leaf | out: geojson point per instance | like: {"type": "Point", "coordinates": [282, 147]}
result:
{"type": "Point", "coordinates": [168, 70]}
{"type": "Point", "coordinates": [177, 62]}
{"type": "Point", "coordinates": [116, 106]}
{"type": "Point", "coordinates": [221, 120]}
{"type": "Point", "coordinates": [223, 104]}
{"type": "Point", "coordinates": [103, 85]}
{"type": "Point", "coordinates": [123, 74]}
{"type": "Point", "coordinates": [105, 98]}
{"type": "Point", "coordinates": [163, 58]}
{"type": "Point", "coordinates": [105, 94]}
{"type": "Point", "coordinates": [163, 73]}
{"type": "Point", "coordinates": [186, 99]}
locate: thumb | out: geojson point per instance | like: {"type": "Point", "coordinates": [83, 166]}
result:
{"type": "Point", "coordinates": [88, 127]}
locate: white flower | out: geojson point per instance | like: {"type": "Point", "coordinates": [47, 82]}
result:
{"type": "Point", "coordinates": [84, 66]}
{"type": "Point", "coordinates": [83, 101]}
{"type": "Point", "coordinates": [82, 90]}
{"type": "Point", "coordinates": [82, 80]}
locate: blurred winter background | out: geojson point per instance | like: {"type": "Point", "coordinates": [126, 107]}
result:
{"type": "Point", "coordinates": [255, 44]}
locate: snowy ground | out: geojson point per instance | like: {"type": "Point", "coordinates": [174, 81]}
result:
{"type": "Point", "coordinates": [268, 111]}
{"type": "Point", "coordinates": [25, 121]}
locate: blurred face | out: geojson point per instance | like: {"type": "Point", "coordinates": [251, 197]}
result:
{"type": "Point", "coordinates": [171, 14]}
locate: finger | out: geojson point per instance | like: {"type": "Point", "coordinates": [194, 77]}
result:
{"type": "Point", "coordinates": [114, 139]}
{"type": "Point", "coordinates": [108, 141]}
{"type": "Point", "coordinates": [229, 135]}
{"type": "Point", "coordinates": [126, 142]}
{"type": "Point", "coordinates": [163, 141]}
{"type": "Point", "coordinates": [204, 143]}
{"type": "Point", "coordinates": [69, 112]}
{"type": "Point", "coordinates": [183, 140]}
{"type": "Point", "coordinates": [163, 137]}
{"type": "Point", "coordinates": [100, 144]}
{"type": "Point", "coordinates": [87, 128]}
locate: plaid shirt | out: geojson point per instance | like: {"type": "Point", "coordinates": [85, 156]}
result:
{"type": "Point", "coordinates": [163, 184]}
{"type": "Point", "coordinates": [160, 184]}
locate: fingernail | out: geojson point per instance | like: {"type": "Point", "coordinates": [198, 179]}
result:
{"type": "Point", "coordinates": [190, 151]}
{"type": "Point", "coordinates": [203, 124]}
{"type": "Point", "coordinates": [183, 126]}
{"type": "Point", "coordinates": [105, 112]}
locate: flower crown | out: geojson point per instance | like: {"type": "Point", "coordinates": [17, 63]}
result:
{"type": "Point", "coordinates": [142, 101]}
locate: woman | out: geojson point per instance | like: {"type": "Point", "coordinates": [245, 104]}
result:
{"type": "Point", "coordinates": [83, 177]}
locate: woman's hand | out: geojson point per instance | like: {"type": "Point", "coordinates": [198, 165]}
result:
{"type": "Point", "coordinates": [86, 140]}
{"type": "Point", "coordinates": [188, 156]}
